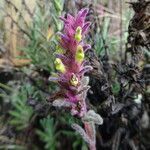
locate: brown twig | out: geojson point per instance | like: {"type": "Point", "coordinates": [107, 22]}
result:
{"type": "Point", "coordinates": [12, 32]}
{"type": "Point", "coordinates": [17, 10]}
{"type": "Point", "coordinates": [27, 8]}
{"type": "Point", "coordinates": [20, 28]}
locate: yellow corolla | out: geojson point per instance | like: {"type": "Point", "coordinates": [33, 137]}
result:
{"type": "Point", "coordinates": [78, 34]}
{"type": "Point", "coordinates": [79, 57]}
{"type": "Point", "coordinates": [59, 65]}
{"type": "Point", "coordinates": [74, 80]}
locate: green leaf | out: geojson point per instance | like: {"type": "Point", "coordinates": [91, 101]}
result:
{"type": "Point", "coordinates": [48, 133]}
{"type": "Point", "coordinates": [21, 113]}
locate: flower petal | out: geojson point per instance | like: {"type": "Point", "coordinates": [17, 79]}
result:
{"type": "Point", "coordinates": [85, 27]}
{"type": "Point", "coordinates": [85, 69]}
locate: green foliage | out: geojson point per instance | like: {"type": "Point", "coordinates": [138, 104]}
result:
{"type": "Point", "coordinates": [40, 47]}
{"type": "Point", "coordinates": [100, 40]}
{"type": "Point", "coordinates": [3, 90]}
{"type": "Point", "coordinates": [68, 119]}
{"type": "Point", "coordinates": [21, 112]}
{"type": "Point", "coordinates": [48, 133]}
{"type": "Point", "coordinates": [104, 40]}
{"type": "Point", "coordinates": [116, 88]}
{"type": "Point", "coordinates": [57, 8]}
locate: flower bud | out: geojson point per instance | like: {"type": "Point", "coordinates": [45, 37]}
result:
{"type": "Point", "coordinates": [79, 56]}
{"type": "Point", "coordinates": [59, 65]}
{"type": "Point", "coordinates": [78, 34]}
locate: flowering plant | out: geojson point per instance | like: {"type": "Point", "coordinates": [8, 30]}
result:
{"type": "Point", "coordinates": [71, 66]}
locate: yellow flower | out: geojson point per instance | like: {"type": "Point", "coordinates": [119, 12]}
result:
{"type": "Point", "coordinates": [59, 50]}
{"type": "Point", "coordinates": [74, 80]}
{"type": "Point", "coordinates": [59, 65]}
{"type": "Point", "coordinates": [78, 34]}
{"type": "Point", "coordinates": [79, 57]}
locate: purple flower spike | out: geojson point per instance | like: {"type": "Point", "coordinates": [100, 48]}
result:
{"type": "Point", "coordinates": [70, 61]}
{"type": "Point", "coordinates": [71, 66]}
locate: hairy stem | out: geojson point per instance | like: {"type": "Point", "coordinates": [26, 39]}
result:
{"type": "Point", "coordinates": [90, 130]}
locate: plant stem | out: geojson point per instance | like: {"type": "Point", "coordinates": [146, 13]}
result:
{"type": "Point", "coordinates": [92, 147]}
{"type": "Point", "coordinates": [90, 130]}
